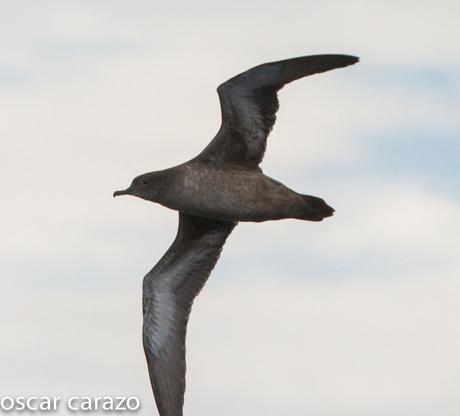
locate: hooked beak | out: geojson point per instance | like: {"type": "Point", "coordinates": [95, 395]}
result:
{"type": "Point", "coordinates": [124, 192]}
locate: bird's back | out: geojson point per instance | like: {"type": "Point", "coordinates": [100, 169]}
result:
{"type": "Point", "coordinates": [230, 193]}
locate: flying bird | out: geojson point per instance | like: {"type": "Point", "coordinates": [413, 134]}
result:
{"type": "Point", "coordinates": [212, 193]}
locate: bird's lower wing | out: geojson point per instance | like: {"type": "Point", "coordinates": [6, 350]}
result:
{"type": "Point", "coordinates": [168, 293]}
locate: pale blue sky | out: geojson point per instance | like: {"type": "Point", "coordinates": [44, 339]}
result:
{"type": "Point", "coordinates": [300, 318]}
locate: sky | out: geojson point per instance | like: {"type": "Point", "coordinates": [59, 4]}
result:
{"type": "Point", "coordinates": [356, 315]}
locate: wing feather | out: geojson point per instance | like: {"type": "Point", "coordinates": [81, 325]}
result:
{"type": "Point", "coordinates": [249, 104]}
{"type": "Point", "coordinates": [168, 293]}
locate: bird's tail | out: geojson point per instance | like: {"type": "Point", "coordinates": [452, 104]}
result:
{"type": "Point", "coordinates": [317, 209]}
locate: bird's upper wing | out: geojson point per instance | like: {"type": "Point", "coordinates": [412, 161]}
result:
{"type": "Point", "coordinates": [168, 293]}
{"type": "Point", "coordinates": [249, 104]}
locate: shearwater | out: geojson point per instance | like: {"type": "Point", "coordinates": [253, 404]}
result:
{"type": "Point", "coordinates": [212, 193]}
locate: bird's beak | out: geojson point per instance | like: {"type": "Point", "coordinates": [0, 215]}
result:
{"type": "Point", "coordinates": [124, 192]}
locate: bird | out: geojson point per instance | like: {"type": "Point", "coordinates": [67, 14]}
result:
{"type": "Point", "coordinates": [212, 192]}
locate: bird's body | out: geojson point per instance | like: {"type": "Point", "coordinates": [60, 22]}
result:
{"type": "Point", "coordinates": [212, 193]}
{"type": "Point", "coordinates": [229, 192]}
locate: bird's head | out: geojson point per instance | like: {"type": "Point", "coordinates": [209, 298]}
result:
{"type": "Point", "coordinates": [143, 186]}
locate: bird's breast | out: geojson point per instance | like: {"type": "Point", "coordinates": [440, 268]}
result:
{"type": "Point", "coordinates": [230, 194]}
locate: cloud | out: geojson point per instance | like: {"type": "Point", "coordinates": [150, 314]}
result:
{"type": "Point", "coordinates": [331, 349]}
{"type": "Point", "coordinates": [253, 345]}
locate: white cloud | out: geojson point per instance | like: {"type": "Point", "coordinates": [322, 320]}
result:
{"type": "Point", "coordinates": [310, 348]}
{"type": "Point", "coordinates": [406, 31]}
{"type": "Point", "coordinates": [253, 346]}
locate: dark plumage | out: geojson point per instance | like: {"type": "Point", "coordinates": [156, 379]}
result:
{"type": "Point", "coordinates": [213, 192]}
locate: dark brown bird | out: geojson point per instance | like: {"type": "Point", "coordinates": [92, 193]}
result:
{"type": "Point", "coordinates": [213, 192]}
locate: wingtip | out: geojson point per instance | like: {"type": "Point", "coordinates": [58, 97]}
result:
{"type": "Point", "coordinates": [327, 62]}
{"type": "Point", "coordinates": [350, 59]}
{"type": "Point", "coordinates": [355, 59]}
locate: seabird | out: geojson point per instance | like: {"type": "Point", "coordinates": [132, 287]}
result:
{"type": "Point", "coordinates": [212, 193]}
